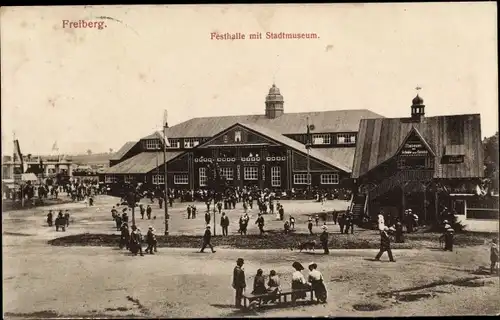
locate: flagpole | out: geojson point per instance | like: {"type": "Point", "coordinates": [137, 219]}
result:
{"type": "Point", "coordinates": [308, 162]}
{"type": "Point", "coordinates": [165, 126]}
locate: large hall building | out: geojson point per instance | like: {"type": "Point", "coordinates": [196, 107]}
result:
{"type": "Point", "coordinates": [266, 150]}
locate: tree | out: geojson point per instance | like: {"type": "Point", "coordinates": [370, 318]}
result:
{"type": "Point", "coordinates": [490, 148]}
{"type": "Point", "coordinates": [89, 152]}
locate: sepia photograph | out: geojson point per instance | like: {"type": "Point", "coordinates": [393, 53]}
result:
{"type": "Point", "coordinates": [244, 160]}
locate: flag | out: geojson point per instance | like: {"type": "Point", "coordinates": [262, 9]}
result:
{"type": "Point", "coordinates": [18, 156]}
{"type": "Point", "coordinates": [165, 128]}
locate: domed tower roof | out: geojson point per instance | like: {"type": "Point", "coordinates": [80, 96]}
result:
{"type": "Point", "coordinates": [274, 94]}
{"type": "Point", "coordinates": [417, 101]}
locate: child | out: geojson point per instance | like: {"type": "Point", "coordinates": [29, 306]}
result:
{"type": "Point", "coordinates": [494, 256]}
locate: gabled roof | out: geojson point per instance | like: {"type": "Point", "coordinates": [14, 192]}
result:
{"type": "Point", "coordinates": [287, 123]}
{"type": "Point", "coordinates": [380, 139]}
{"type": "Point", "coordinates": [123, 150]}
{"type": "Point", "coordinates": [281, 139]}
{"type": "Point", "coordinates": [426, 145]}
{"type": "Point", "coordinates": [141, 163]}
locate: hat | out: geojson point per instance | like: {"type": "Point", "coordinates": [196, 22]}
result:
{"type": "Point", "coordinates": [310, 219]}
{"type": "Point", "coordinates": [409, 210]}
{"type": "Point", "coordinates": [297, 266]}
{"type": "Point", "coordinates": [208, 226]}
{"type": "Point", "coordinates": [447, 226]}
{"type": "Point", "coordinates": [240, 260]}
{"type": "Point", "coordinates": [150, 228]}
{"type": "Point", "coordinates": [313, 264]}
{"type": "Point", "coordinates": [445, 221]}
{"type": "Point", "coordinates": [324, 227]}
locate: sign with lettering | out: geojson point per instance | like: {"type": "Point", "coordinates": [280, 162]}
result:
{"type": "Point", "coordinates": [454, 159]}
{"type": "Point", "coordinates": [414, 148]}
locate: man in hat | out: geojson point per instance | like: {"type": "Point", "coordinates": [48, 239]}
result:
{"type": "Point", "coordinates": [239, 283]}
{"type": "Point", "coordinates": [310, 225]}
{"type": "Point", "coordinates": [124, 236]}
{"type": "Point", "coordinates": [207, 237]}
{"type": "Point", "coordinates": [114, 212]}
{"type": "Point", "coordinates": [349, 222]}
{"type": "Point", "coordinates": [66, 217]}
{"type": "Point", "coordinates": [142, 210]}
{"type": "Point", "coordinates": [224, 223]}
{"type": "Point", "coordinates": [448, 238]}
{"type": "Point", "coordinates": [385, 245]}
{"type": "Point", "coordinates": [207, 217]}
{"type": "Point", "coordinates": [148, 212]}
{"type": "Point", "coordinates": [136, 241]}
{"type": "Point", "coordinates": [50, 219]}
{"type": "Point", "coordinates": [260, 223]}
{"type": "Point", "coordinates": [324, 239]}
{"type": "Point", "coordinates": [151, 241]}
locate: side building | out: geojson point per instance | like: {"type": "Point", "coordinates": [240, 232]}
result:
{"type": "Point", "coordinates": [419, 163]}
{"type": "Point", "coordinates": [267, 151]}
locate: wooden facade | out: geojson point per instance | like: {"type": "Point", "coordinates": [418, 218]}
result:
{"type": "Point", "coordinates": [404, 163]}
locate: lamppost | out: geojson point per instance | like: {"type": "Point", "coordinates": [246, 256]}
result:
{"type": "Point", "coordinates": [165, 143]}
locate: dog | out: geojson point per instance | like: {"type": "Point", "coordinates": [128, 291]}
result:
{"type": "Point", "coordinates": [307, 245]}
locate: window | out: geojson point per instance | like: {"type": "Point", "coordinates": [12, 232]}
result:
{"type": "Point", "coordinates": [225, 138]}
{"type": "Point", "coordinates": [181, 178]}
{"type": "Point", "coordinates": [110, 179]}
{"type": "Point", "coordinates": [321, 139]}
{"type": "Point", "coordinates": [237, 136]}
{"type": "Point", "coordinates": [330, 178]}
{"type": "Point", "coordinates": [348, 138]}
{"type": "Point", "coordinates": [158, 179]}
{"type": "Point", "coordinates": [301, 178]}
{"type": "Point", "coordinates": [190, 142]}
{"type": "Point", "coordinates": [174, 144]}
{"type": "Point", "coordinates": [129, 178]}
{"type": "Point", "coordinates": [153, 144]}
{"type": "Point", "coordinates": [275, 176]}
{"type": "Point", "coordinates": [227, 173]}
{"type": "Point", "coordinates": [251, 173]}
{"type": "Point", "coordinates": [202, 172]}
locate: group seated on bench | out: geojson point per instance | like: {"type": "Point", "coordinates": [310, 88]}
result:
{"type": "Point", "coordinates": [299, 290]}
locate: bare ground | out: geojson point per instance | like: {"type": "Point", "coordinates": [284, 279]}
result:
{"type": "Point", "coordinates": [44, 281]}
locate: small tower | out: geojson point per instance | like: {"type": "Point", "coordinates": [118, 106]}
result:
{"type": "Point", "coordinates": [417, 108]}
{"type": "Point", "coordinates": [274, 103]}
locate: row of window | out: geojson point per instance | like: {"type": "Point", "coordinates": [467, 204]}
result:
{"type": "Point", "coordinates": [317, 139]}
{"type": "Point", "coordinates": [325, 138]}
{"type": "Point", "coordinates": [327, 178]}
{"type": "Point", "coordinates": [249, 173]}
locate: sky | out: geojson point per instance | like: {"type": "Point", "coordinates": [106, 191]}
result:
{"type": "Point", "coordinates": [97, 89]}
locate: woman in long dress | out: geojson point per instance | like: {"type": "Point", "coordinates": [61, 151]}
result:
{"type": "Point", "coordinates": [298, 281]}
{"type": "Point", "coordinates": [317, 283]}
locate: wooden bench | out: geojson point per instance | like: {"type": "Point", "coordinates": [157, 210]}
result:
{"type": "Point", "coordinates": [248, 297]}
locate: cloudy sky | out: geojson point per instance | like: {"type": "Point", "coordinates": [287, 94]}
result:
{"type": "Point", "coordinates": [96, 89]}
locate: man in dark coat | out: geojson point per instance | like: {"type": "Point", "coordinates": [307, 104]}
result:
{"type": "Point", "coordinates": [335, 216]}
{"type": "Point", "coordinates": [239, 283]}
{"type": "Point", "coordinates": [50, 219]}
{"type": "Point", "coordinates": [385, 245]}
{"type": "Point", "coordinates": [207, 237]}
{"type": "Point", "coordinates": [310, 226]}
{"type": "Point", "coordinates": [324, 239]}
{"type": "Point", "coordinates": [349, 223]}
{"type": "Point", "coordinates": [224, 223]}
{"type": "Point", "coordinates": [124, 236]}
{"type": "Point", "coordinates": [260, 223]}
{"type": "Point", "coordinates": [148, 212]}
{"type": "Point", "coordinates": [341, 220]}
{"type": "Point", "coordinates": [160, 202]}
{"type": "Point", "coordinates": [66, 217]}
{"type": "Point", "coordinates": [142, 211]}
{"type": "Point", "coordinates": [151, 241]}
{"type": "Point", "coordinates": [207, 217]}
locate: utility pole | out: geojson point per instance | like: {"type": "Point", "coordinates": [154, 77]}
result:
{"type": "Point", "coordinates": [308, 147]}
{"type": "Point", "coordinates": [165, 142]}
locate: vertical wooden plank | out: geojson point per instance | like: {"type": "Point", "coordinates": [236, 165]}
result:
{"type": "Point", "coordinates": [365, 158]}
{"type": "Point", "coordinates": [359, 149]}
{"type": "Point", "coordinates": [384, 140]}
{"type": "Point", "coordinates": [373, 156]}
